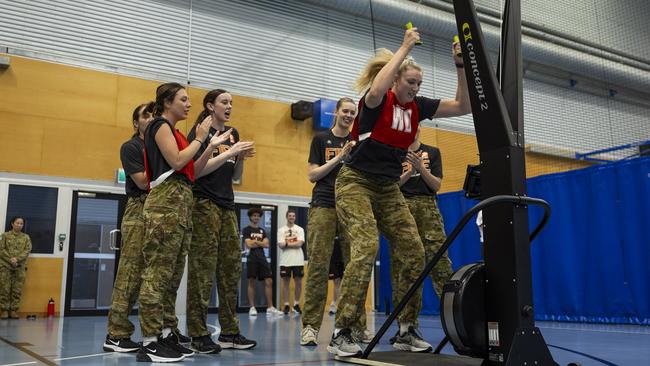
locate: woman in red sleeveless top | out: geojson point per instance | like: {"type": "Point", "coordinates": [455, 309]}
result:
{"type": "Point", "coordinates": [167, 217]}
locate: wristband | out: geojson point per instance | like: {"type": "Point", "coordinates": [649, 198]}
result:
{"type": "Point", "coordinates": [200, 142]}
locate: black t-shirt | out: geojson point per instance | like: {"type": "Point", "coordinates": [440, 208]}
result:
{"type": "Point", "coordinates": [132, 156]}
{"type": "Point", "coordinates": [217, 186]}
{"type": "Point", "coordinates": [157, 163]}
{"type": "Point", "coordinates": [385, 132]}
{"type": "Point", "coordinates": [324, 147]}
{"type": "Point", "coordinates": [255, 233]}
{"type": "Point", "coordinates": [416, 186]}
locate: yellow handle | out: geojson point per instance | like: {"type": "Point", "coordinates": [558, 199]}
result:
{"type": "Point", "coordinates": [409, 25]}
{"type": "Point", "coordinates": [456, 39]}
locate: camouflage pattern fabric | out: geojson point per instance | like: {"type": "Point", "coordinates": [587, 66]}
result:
{"type": "Point", "coordinates": [168, 232]}
{"type": "Point", "coordinates": [323, 226]}
{"type": "Point", "coordinates": [432, 233]}
{"type": "Point", "coordinates": [215, 249]}
{"type": "Point", "coordinates": [129, 271]}
{"type": "Point", "coordinates": [431, 228]}
{"type": "Point", "coordinates": [366, 206]}
{"type": "Point", "coordinates": [12, 278]}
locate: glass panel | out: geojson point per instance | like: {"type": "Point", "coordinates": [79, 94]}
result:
{"type": "Point", "coordinates": [38, 206]}
{"type": "Point", "coordinates": [94, 261]}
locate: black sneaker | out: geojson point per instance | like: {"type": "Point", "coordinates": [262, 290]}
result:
{"type": "Point", "coordinates": [236, 341]}
{"type": "Point", "coordinates": [286, 309]}
{"type": "Point", "coordinates": [204, 344]}
{"type": "Point", "coordinates": [158, 352]}
{"type": "Point", "coordinates": [181, 338]}
{"type": "Point", "coordinates": [122, 345]}
{"type": "Point", "coordinates": [296, 308]}
{"type": "Point", "coordinates": [172, 342]}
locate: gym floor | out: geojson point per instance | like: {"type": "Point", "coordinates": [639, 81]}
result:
{"type": "Point", "coordinates": [78, 341]}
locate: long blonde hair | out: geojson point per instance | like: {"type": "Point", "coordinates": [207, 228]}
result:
{"type": "Point", "coordinates": [375, 64]}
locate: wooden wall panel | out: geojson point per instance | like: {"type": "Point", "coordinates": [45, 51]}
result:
{"type": "Point", "coordinates": [44, 280]}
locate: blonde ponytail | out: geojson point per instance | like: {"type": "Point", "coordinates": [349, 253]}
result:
{"type": "Point", "coordinates": [375, 64]}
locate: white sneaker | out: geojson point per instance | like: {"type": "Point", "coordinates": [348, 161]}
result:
{"type": "Point", "coordinates": [308, 336]}
{"type": "Point", "coordinates": [271, 310]}
{"type": "Point", "coordinates": [332, 309]}
{"type": "Point", "coordinates": [411, 341]}
{"type": "Point", "coordinates": [252, 311]}
{"type": "Point", "coordinates": [343, 345]}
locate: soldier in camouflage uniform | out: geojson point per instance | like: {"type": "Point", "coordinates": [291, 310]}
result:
{"type": "Point", "coordinates": [368, 197]}
{"type": "Point", "coordinates": [15, 246]}
{"type": "Point", "coordinates": [327, 152]}
{"type": "Point", "coordinates": [421, 179]}
{"type": "Point", "coordinates": [167, 216]}
{"type": "Point", "coordinates": [215, 240]}
{"type": "Point", "coordinates": [127, 280]}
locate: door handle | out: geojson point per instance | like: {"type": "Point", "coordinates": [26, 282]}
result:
{"type": "Point", "coordinates": [113, 239]}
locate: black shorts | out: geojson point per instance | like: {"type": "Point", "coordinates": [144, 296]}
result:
{"type": "Point", "coordinates": [293, 271]}
{"type": "Point", "coordinates": [259, 270]}
{"type": "Point", "coordinates": [336, 270]}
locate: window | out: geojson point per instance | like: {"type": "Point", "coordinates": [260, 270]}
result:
{"type": "Point", "coordinates": [38, 206]}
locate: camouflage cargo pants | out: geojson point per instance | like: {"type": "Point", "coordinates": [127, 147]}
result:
{"type": "Point", "coordinates": [11, 287]}
{"type": "Point", "coordinates": [432, 233]}
{"type": "Point", "coordinates": [168, 232]}
{"type": "Point", "coordinates": [366, 206]}
{"type": "Point", "coordinates": [129, 271]}
{"type": "Point", "coordinates": [215, 249]}
{"type": "Point", "coordinates": [322, 224]}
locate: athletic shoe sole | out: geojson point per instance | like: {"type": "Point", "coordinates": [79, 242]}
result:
{"type": "Point", "coordinates": [205, 352]}
{"type": "Point", "coordinates": [153, 358]}
{"type": "Point", "coordinates": [310, 343]}
{"type": "Point", "coordinates": [409, 348]}
{"type": "Point", "coordinates": [113, 348]}
{"type": "Point", "coordinates": [230, 345]}
{"type": "Point", "coordinates": [340, 353]}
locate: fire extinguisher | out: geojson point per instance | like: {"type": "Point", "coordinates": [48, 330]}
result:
{"type": "Point", "coordinates": [50, 307]}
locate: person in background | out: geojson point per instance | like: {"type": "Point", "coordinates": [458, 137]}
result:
{"type": "Point", "coordinates": [329, 149]}
{"type": "Point", "coordinates": [215, 237]}
{"type": "Point", "coordinates": [15, 247]}
{"type": "Point", "coordinates": [127, 279]}
{"type": "Point", "coordinates": [255, 240]}
{"type": "Point", "coordinates": [291, 237]}
{"type": "Point", "coordinates": [420, 181]}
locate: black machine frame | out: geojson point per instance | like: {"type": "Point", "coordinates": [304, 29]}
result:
{"type": "Point", "coordinates": [497, 108]}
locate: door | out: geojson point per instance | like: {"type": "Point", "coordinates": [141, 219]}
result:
{"type": "Point", "coordinates": [94, 252]}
